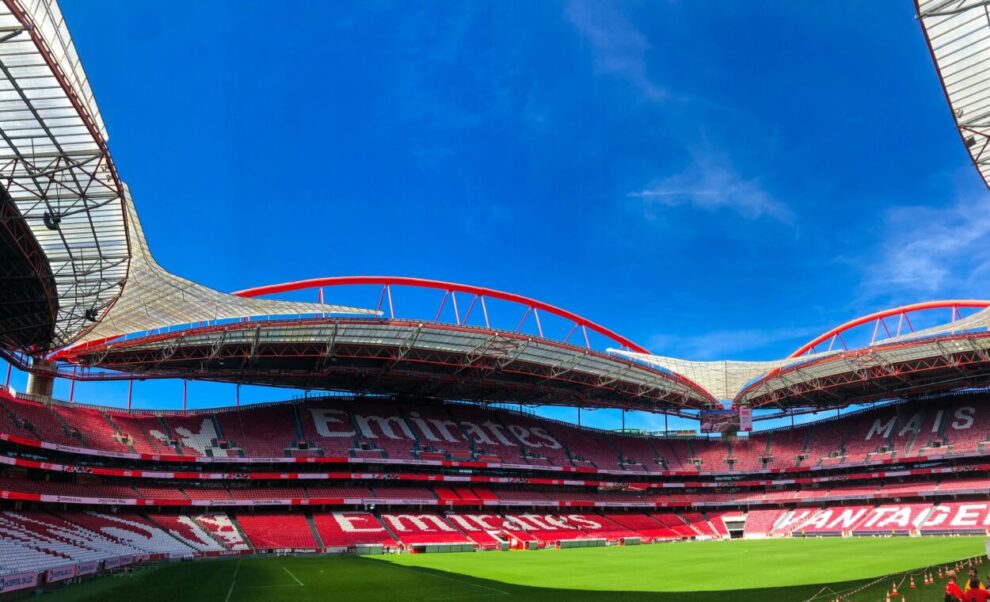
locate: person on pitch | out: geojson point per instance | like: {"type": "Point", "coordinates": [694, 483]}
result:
{"type": "Point", "coordinates": [952, 591]}
{"type": "Point", "coordinates": [973, 583]}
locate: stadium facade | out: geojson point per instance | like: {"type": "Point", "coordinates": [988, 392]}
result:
{"type": "Point", "coordinates": [411, 445]}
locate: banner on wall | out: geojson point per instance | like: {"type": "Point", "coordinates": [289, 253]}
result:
{"type": "Point", "coordinates": [745, 418]}
{"type": "Point", "coordinates": [87, 568]}
{"type": "Point", "coordinates": [13, 583]}
{"type": "Point", "coordinates": [60, 573]}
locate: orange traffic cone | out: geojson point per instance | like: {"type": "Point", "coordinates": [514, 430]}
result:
{"type": "Point", "coordinates": [939, 572]}
{"type": "Point", "coordinates": [893, 589]}
{"type": "Point", "coordinates": [913, 586]}
{"type": "Point", "coordinates": [887, 598]}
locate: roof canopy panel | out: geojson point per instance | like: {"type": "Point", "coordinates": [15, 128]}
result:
{"type": "Point", "coordinates": [55, 166]}
{"type": "Point", "coordinates": [155, 299]}
{"type": "Point", "coordinates": [958, 33]}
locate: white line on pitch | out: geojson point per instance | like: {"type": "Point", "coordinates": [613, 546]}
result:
{"type": "Point", "coordinates": [293, 576]}
{"type": "Point", "coordinates": [233, 580]}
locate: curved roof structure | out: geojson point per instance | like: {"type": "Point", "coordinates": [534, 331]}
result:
{"type": "Point", "coordinates": [533, 306]}
{"type": "Point", "coordinates": [155, 299]}
{"type": "Point", "coordinates": [944, 356]}
{"type": "Point", "coordinates": [888, 371]}
{"type": "Point", "coordinates": [958, 34]}
{"type": "Point", "coordinates": [436, 357]}
{"type": "Point", "coordinates": [400, 357]}
{"type": "Point", "coordinates": [722, 378]}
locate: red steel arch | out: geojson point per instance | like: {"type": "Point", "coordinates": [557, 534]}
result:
{"type": "Point", "coordinates": [878, 319]}
{"type": "Point", "coordinates": [450, 289]}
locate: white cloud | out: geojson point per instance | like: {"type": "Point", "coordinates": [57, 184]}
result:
{"type": "Point", "coordinates": [932, 251]}
{"type": "Point", "coordinates": [729, 344]}
{"type": "Point", "coordinates": [619, 48]}
{"type": "Point", "coordinates": [711, 184]}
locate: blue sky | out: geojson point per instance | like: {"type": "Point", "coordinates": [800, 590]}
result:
{"type": "Point", "coordinates": [711, 179]}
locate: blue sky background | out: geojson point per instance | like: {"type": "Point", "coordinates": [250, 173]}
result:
{"type": "Point", "coordinates": [716, 180]}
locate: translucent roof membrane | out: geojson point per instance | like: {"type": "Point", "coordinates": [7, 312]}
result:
{"type": "Point", "coordinates": [958, 33]}
{"type": "Point", "coordinates": [55, 166]}
{"type": "Point", "coordinates": [156, 299]}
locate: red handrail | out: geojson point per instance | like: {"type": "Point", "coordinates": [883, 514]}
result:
{"type": "Point", "coordinates": [449, 287]}
{"type": "Point", "coordinates": [897, 311]}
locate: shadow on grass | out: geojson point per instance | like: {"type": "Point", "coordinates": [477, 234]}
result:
{"type": "Point", "coordinates": [369, 579]}
{"type": "Point", "coordinates": [492, 589]}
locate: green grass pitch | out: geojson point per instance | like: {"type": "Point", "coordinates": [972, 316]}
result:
{"type": "Point", "coordinates": [764, 571]}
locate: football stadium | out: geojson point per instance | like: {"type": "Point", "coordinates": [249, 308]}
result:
{"type": "Point", "coordinates": [405, 458]}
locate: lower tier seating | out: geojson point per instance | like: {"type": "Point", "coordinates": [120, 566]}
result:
{"type": "Point", "coordinates": [37, 540]}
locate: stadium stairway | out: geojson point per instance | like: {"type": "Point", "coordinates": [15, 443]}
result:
{"type": "Point", "coordinates": [221, 436]}
{"type": "Point", "coordinates": [117, 431]}
{"type": "Point", "coordinates": [807, 442]}
{"type": "Point", "coordinates": [524, 453]}
{"type": "Point", "coordinates": [240, 531]}
{"type": "Point", "coordinates": [456, 526]}
{"type": "Point", "coordinates": [297, 423]}
{"type": "Point", "coordinates": [316, 532]}
{"type": "Point", "coordinates": [388, 529]}
{"type": "Point", "coordinates": [173, 440]}
{"type": "Point", "coordinates": [209, 534]}
{"type": "Point", "coordinates": [169, 532]}
{"type": "Point", "coordinates": [767, 453]}
{"type": "Point", "coordinates": [711, 525]}
{"type": "Point", "coordinates": [907, 449]}
{"type": "Point", "coordinates": [70, 432]}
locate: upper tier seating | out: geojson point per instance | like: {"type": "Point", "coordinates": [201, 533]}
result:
{"type": "Point", "coordinates": [487, 434]}
{"type": "Point", "coordinates": [586, 448]}
{"type": "Point", "coordinates": [637, 454]}
{"type": "Point", "coordinates": [195, 435]}
{"type": "Point", "coordinates": [710, 454]}
{"type": "Point", "coordinates": [786, 445]}
{"type": "Point", "coordinates": [438, 432]}
{"type": "Point", "coordinates": [260, 432]}
{"type": "Point", "coordinates": [92, 427]}
{"type": "Point", "coordinates": [386, 430]}
{"type": "Point", "coordinates": [38, 421]}
{"type": "Point", "coordinates": [141, 431]}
